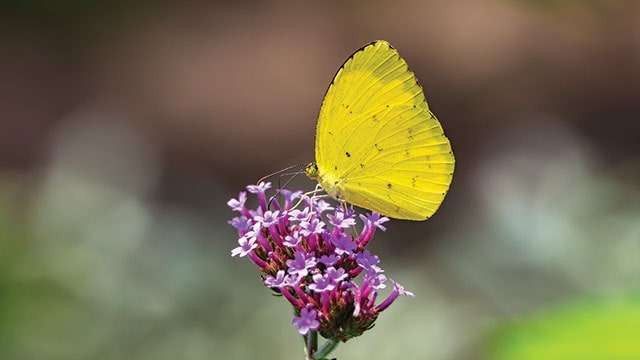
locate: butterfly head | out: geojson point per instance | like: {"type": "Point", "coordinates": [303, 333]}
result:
{"type": "Point", "coordinates": [311, 170]}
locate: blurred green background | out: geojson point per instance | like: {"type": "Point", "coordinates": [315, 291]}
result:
{"type": "Point", "coordinates": [127, 125]}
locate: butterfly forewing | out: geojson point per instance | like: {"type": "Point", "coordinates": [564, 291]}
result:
{"type": "Point", "coordinates": [377, 135]}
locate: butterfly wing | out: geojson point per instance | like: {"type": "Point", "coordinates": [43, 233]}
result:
{"type": "Point", "coordinates": [378, 139]}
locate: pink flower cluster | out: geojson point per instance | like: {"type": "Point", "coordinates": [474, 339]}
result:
{"type": "Point", "coordinates": [311, 254]}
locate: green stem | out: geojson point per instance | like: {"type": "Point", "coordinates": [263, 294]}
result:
{"type": "Point", "coordinates": [311, 344]}
{"type": "Point", "coordinates": [327, 348]}
{"type": "Point", "coordinates": [314, 341]}
{"type": "Point", "coordinates": [305, 339]}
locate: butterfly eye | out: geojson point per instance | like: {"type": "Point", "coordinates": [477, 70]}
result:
{"type": "Point", "coordinates": [311, 170]}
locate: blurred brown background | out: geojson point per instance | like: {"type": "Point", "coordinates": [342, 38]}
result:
{"type": "Point", "coordinates": [127, 125]}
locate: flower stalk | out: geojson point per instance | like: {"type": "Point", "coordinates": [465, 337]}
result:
{"type": "Point", "coordinates": [312, 344]}
{"type": "Point", "coordinates": [326, 349]}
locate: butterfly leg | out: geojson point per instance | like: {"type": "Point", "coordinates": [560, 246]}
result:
{"type": "Point", "coordinates": [317, 190]}
{"type": "Point", "coordinates": [314, 192]}
{"type": "Point", "coordinates": [310, 194]}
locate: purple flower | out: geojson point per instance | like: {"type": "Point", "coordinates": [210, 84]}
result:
{"type": "Point", "coordinates": [260, 188]}
{"type": "Point", "coordinates": [398, 290]}
{"type": "Point", "coordinates": [314, 226]}
{"type": "Point", "coordinates": [343, 244]}
{"type": "Point", "coordinates": [289, 196]}
{"type": "Point", "coordinates": [240, 223]}
{"type": "Point", "coordinates": [281, 280]}
{"type": "Point", "coordinates": [374, 219]}
{"type": "Point", "coordinates": [349, 212]}
{"type": "Point", "coordinates": [329, 260]}
{"type": "Point", "coordinates": [376, 281]}
{"type": "Point", "coordinates": [322, 283]}
{"type": "Point", "coordinates": [288, 244]}
{"type": "Point", "coordinates": [246, 245]}
{"type": "Point", "coordinates": [292, 240]}
{"type": "Point", "coordinates": [328, 281]}
{"type": "Point", "coordinates": [306, 321]}
{"type": "Point", "coordinates": [256, 212]}
{"type": "Point", "coordinates": [368, 261]}
{"type": "Point", "coordinates": [268, 218]}
{"type": "Point", "coordinates": [293, 280]}
{"type": "Point", "coordinates": [300, 264]}
{"type": "Point", "coordinates": [254, 232]}
{"type": "Point", "coordinates": [402, 291]}
{"type": "Point", "coordinates": [322, 206]}
{"type": "Point", "coordinates": [341, 220]}
{"type": "Point", "coordinates": [238, 204]}
{"type": "Point", "coordinates": [276, 282]}
{"type": "Point", "coordinates": [310, 201]}
{"type": "Point", "coordinates": [297, 215]}
{"type": "Point", "coordinates": [336, 275]}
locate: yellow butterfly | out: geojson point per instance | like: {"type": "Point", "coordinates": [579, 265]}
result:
{"type": "Point", "coordinates": [378, 146]}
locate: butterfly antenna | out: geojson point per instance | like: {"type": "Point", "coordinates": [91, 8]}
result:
{"type": "Point", "coordinates": [280, 188]}
{"type": "Point", "coordinates": [278, 172]}
{"type": "Point", "coordinates": [294, 175]}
